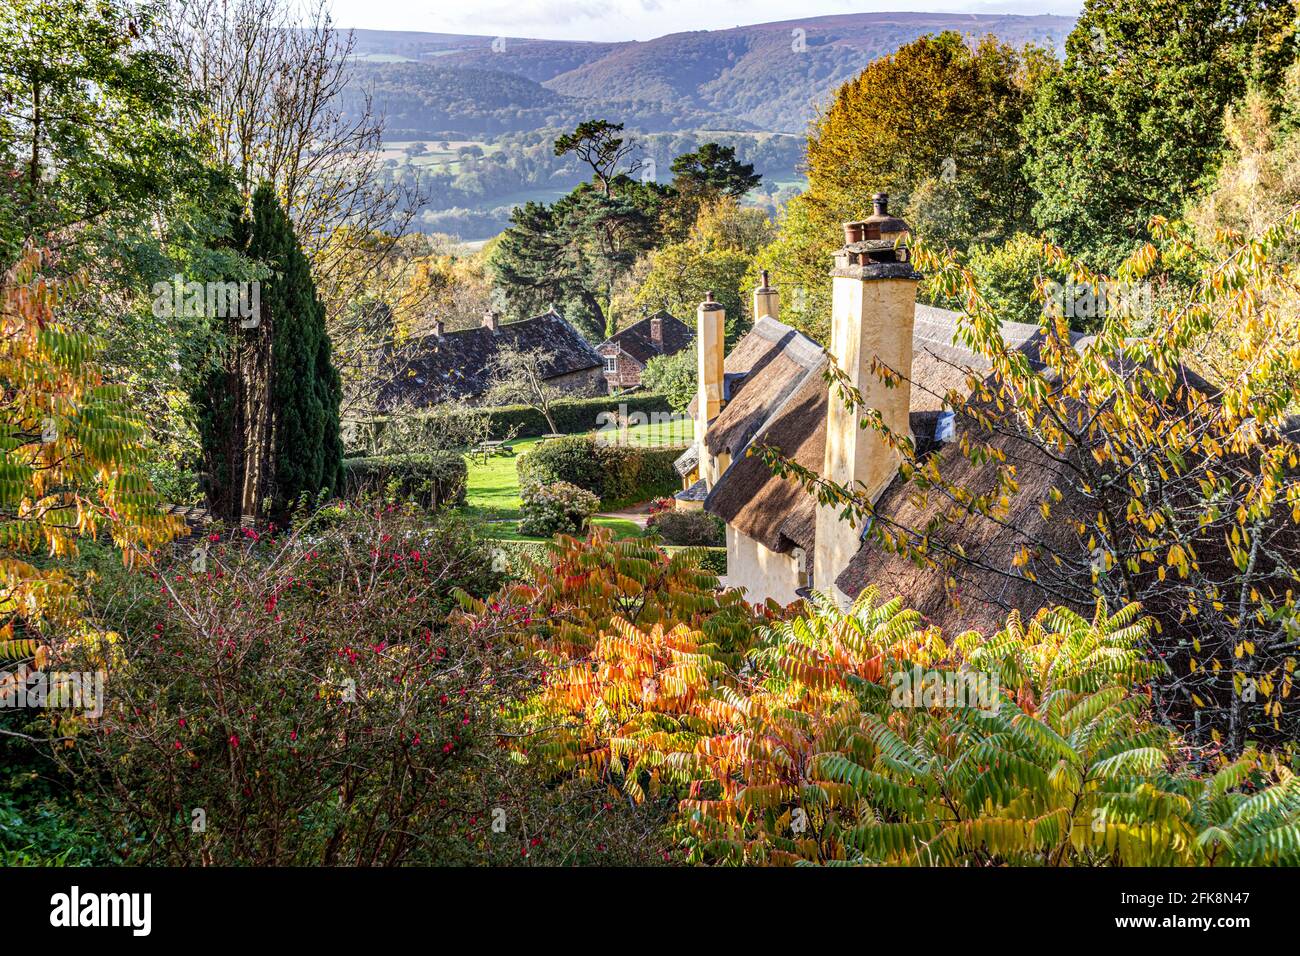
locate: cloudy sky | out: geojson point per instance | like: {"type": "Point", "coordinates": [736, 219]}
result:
{"type": "Point", "coordinates": [634, 19]}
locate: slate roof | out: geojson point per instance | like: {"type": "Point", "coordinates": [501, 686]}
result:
{"type": "Point", "coordinates": [454, 365]}
{"type": "Point", "coordinates": [635, 340]}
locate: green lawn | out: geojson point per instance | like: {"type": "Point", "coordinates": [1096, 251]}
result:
{"type": "Point", "coordinates": [492, 495]}
{"type": "Point", "coordinates": [679, 431]}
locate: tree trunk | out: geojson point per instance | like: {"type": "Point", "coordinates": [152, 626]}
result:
{"type": "Point", "coordinates": [254, 383]}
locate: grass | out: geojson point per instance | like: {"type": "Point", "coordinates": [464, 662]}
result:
{"type": "Point", "coordinates": [492, 495]}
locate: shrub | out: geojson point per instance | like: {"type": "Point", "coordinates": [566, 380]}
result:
{"type": "Point", "coordinates": [713, 560]}
{"type": "Point", "coordinates": [1007, 273]}
{"type": "Point", "coordinates": [572, 417]}
{"type": "Point", "coordinates": [571, 459]}
{"type": "Point", "coordinates": [588, 583]}
{"type": "Point", "coordinates": [516, 559]}
{"type": "Point", "coordinates": [883, 744]}
{"type": "Point", "coordinates": [688, 527]}
{"type": "Point", "coordinates": [674, 376]}
{"type": "Point", "coordinates": [556, 508]}
{"type": "Point", "coordinates": [618, 474]}
{"type": "Point", "coordinates": [432, 480]}
{"type": "Point", "coordinates": [447, 427]}
{"type": "Point", "coordinates": [307, 696]}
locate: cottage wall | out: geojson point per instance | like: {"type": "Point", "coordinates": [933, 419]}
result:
{"type": "Point", "coordinates": [761, 572]}
{"type": "Point", "coordinates": [583, 383]}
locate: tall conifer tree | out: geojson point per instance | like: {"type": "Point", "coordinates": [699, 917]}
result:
{"type": "Point", "coordinates": [269, 414]}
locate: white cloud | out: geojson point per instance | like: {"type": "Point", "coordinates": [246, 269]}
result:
{"type": "Point", "coordinates": [636, 19]}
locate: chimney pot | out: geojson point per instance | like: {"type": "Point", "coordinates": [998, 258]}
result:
{"type": "Point", "coordinates": [880, 204]}
{"type": "Point", "coordinates": [437, 327]}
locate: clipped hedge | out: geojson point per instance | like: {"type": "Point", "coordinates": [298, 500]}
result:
{"type": "Point", "coordinates": [432, 480]}
{"type": "Point", "coordinates": [619, 474]}
{"type": "Point", "coordinates": [514, 558]}
{"type": "Point", "coordinates": [572, 417]}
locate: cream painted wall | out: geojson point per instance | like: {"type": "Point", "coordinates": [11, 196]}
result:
{"type": "Point", "coordinates": [762, 573]}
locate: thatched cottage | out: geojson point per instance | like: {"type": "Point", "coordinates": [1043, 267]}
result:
{"type": "Point", "coordinates": [771, 391]}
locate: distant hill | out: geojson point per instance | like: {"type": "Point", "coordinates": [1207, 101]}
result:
{"type": "Point", "coordinates": [770, 76]}
{"type": "Point", "coordinates": [421, 100]}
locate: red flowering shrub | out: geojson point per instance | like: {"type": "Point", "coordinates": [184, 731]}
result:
{"type": "Point", "coordinates": [304, 701]}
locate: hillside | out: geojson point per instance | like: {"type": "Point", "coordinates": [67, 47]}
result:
{"type": "Point", "coordinates": [435, 100]}
{"type": "Point", "coordinates": [770, 75]}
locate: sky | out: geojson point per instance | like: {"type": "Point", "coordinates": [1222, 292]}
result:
{"type": "Point", "coordinates": [635, 19]}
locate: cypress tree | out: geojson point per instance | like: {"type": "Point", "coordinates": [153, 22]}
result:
{"type": "Point", "coordinates": [307, 453]}
{"type": "Point", "coordinates": [272, 412]}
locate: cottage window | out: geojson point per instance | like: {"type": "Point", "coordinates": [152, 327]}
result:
{"type": "Point", "coordinates": [611, 363]}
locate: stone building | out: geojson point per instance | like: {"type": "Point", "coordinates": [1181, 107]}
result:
{"type": "Point", "coordinates": [455, 366]}
{"type": "Point", "coordinates": [626, 353]}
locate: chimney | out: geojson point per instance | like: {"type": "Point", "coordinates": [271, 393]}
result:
{"type": "Point", "coordinates": [766, 301]}
{"type": "Point", "coordinates": [437, 327]}
{"type": "Point", "coordinates": [657, 331]}
{"type": "Point", "coordinates": [710, 323]}
{"type": "Point", "coordinates": [491, 320]}
{"type": "Point", "coordinates": [873, 307]}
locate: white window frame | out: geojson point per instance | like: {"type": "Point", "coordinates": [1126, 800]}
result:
{"type": "Point", "coordinates": [611, 364]}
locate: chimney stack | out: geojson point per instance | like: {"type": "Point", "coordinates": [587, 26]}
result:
{"type": "Point", "coordinates": [657, 331]}
{"type": "Point", "coordinates": [437, 327]}
{"type": "Point", "coordinates": [491, 320]}
{"type": "Point", "coordinates": [710, 323]}
{"type": "Point", "coordinates": [873, 308]}
{"type": "Point", "coordinates": [766, 300]}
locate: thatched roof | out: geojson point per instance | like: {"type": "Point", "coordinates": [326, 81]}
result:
{"type": "Point", "coordinates": [636, 340]}
{"type": "Point", "coordinates": [782, 402]}
{"type": "Point", "coordinates": [454, 365]}
{"type": "Point", "coordinates": [765, 367]}
{"type": "Point", "coordinates": [775, 511]}
{"type": "Point", "coordinates": [991, 585]}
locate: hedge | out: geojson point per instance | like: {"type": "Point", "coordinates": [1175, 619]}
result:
{"type": "Point", "coordinates": [710, 559]}
{"type": "Point", "coordinates": [619, 474]}
{"type": "Point", "coordinates": [514, 556]}
{"type": "Point", "coordinates": [572, 416]}
{"type": "Point", "coordinates": [432, 480]}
